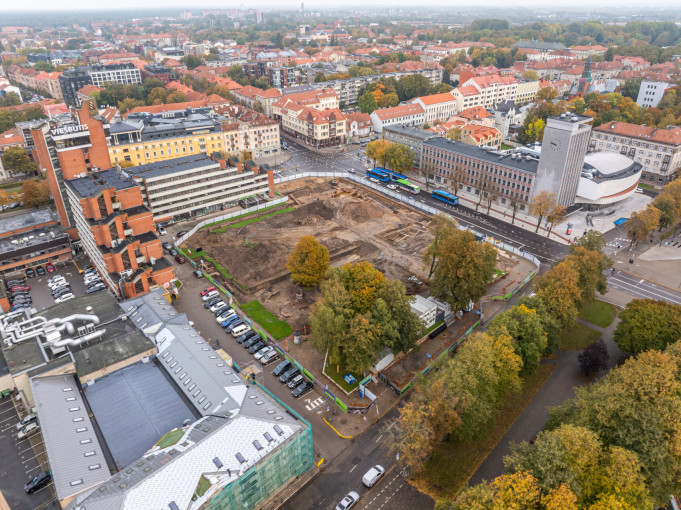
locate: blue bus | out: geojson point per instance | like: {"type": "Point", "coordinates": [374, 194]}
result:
{"type": "Point", "coordinates": [445, 197]}
{"type": "Point", "coordinates": [378, 173]}
{"type": "Point", "coordinates": [394, 176]}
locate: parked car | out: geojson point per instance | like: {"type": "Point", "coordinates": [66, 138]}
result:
{"type": "Point", "coordinates": [198, 273]}
{"type": "Point", "coordinates": [172, 252]}
{"type": "Point", "coordinates": [351, 170]}
{"type": "Point", "coordinates": [57, 283]}
{"type": "Point", "coordinates": [237, 328]}
{"type": "Point", "coordinates": [15, 283]}
{"type": "Point", "coordinates": [207, 291]}
{"type": "Point", "coordinates": [269, 358]}
{"type": "Point", "coordinates": [290, 373]}
{"type": "Point", "coordinates": [391, 186]}
{"type": "Point", "coordinates": [228, 312]}
{"type": "Point", "coordinates": [29, 429]}
{"type": "Point", "coordinates": [221, 310]}
{"type": "Point", "coordinates": [40, 270]}
{"type": "Point", "coordinates": [180, 259]}
{"type": "Point", "coordinates": [22, 299]}
{"type": "Point", "coordinates": [19, 306]}
{"type": "Point", "coordinates": [38, 481]}
{"type": "Point", "coordinates": [96, 288]}
{"type": "Point", "coordinates": [281, 368]}
{"type": "Point", "coordinates": [246, 336]}
{"type": "Point", "coordinates": [181, 233]}
{"type": "Point", "coordinates": [348, 501]}
{"type": "Point", "coordinates": [373, 179]}
{"type": "Point", "coordinates": [373, 475]}
{"type": "Point", "coordinates": [162, 231]}
{"type": "Point", "coordinates": [256, 347]}
{"type": "Point", "coordinates": [247, 343]}
{"type": "Point", "coordinates": [166, 245]}
{"type": "Point", "coordinates": [295, 381]}
{"type": "Point", "coordinates": [50, 267]}
{"type": "Point", "coordinates": [210, 295]}
{"type": "Point", "coordinates": [30, 418]}
{"type": "Point", "coordinates": [265, 350]}
{"type": "Point", "coordinates": [63, 298]}
{"type": "Point", "coordinates": [302, 389]}
{"type": "Point", "coordinates": [639, 190]}
{"type": "Point", "coordinates": [230, 320]}
{"type": "Point", "coordinates": [217, 305]}
{"type": "Point", "coordinates": [211, 301]}
{"type": "Point", "coordinates": [18, 288]}
{"type": "Point", "coordinates": [30, 273]}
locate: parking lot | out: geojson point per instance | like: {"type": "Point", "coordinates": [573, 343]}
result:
{"type": "Point", "coordinates": [21, 461]}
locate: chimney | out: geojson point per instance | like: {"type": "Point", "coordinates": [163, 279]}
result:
{"type": "Point", "coordinates": [223, 163]}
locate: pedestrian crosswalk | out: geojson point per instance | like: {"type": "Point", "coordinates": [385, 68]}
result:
{"type": "Point", "coordinates": [618, 242]}
{"type": "Point", "coordinates": [314, 403]}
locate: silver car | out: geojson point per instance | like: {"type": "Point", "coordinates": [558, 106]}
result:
{"type": "Point", "coordinates": [348, 501]}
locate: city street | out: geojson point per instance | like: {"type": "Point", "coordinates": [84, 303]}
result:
{"type": "Point", "coordinates": [641, 288]}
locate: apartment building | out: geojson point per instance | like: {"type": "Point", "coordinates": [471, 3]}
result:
{"type": "Point", "coordinates": [250, 96]}
{"type": "Point", "coordinates": [283, 76]}
{"type": "Point", "coordinates": [493, 89]}
{"type": "Point", "coordinates": [244, 129]}
{"type": "Point", "coordinates": [437, 106]}
{"type": "Point", "coordinates": [317, 128]}
{"type": "Point", "coordinates": [409, 136]}
{"type": "Point", "coordinates": [46, 83]}
{"type": "Point", "coordinates": [159, 72]}
{"type": "Point", "coordinates": [359, 125]}
{"type": "Point", "coordinates": [321, 99]}
{"type": "Point", "coordinates": [403, 115]}
{"type": "Point", "coordinates": [526, 92]}
{"type": "Point", "coordinates": [196, 185]}
{"type": "Point", "coordinates": [150, 137]}
{"type": "Point", "coordinates": [467, 97]}
{"type": "Point", "coordinates": [657, 150]}
{"type": "Point", "coordinates": [74, 79]}
{"type": "Point", "coordinates": [481, 136]}
{"type": "Point", "coordinates": [118, 233]}
{"type": "Point", "coordinates": [651, 93]}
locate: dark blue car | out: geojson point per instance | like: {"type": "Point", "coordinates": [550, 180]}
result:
{"type": "Point", "coordinates": [227, 322]}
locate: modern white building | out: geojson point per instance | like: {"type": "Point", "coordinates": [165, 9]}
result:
{"type": "Point", "coordinates": [403, 115]}
{"type": "Point", "coordinates": [437, 106]}
{"type": "Point", "coordinates": [651, 93]}
{"type": "Point", "coordinates": [607, 178]}
{"type": "Point", "coordinates": [125, 73]}
{"type": "Point", "coordinates": [424, 309]}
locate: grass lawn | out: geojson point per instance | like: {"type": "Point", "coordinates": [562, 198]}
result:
{"type": "Point", "coordinates": [203, 486]}
{"type": "Point", "coordinates": [244, 215]}
{"type": "Point", "coordinates": [505, 147]}
{"type": "Point", "coordinates": [645, 186]}
{"type": "Point", "coordinates": [577, 338]}
{"type": "Point", "coordinates": [453, 462]}
{"type": "Point", "coordinates": [278, 328]}
{"type": "Point", "coordinates": [170, 438]}
{"type": "Point", "coordinates": [437, 324]}
{"type": "Point", "coordinates": [248, 221]}
{"type": "Point", "coordinates": [599, 313]}
{"type": "Point", "coordinates": [337, 376]}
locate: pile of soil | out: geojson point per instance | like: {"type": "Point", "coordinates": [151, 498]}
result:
{"type": "Point", "coordinates": [313, 213]}
{"type": "Point", "coordinates": [361, 212]}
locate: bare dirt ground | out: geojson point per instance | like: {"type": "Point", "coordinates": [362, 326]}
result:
{"type": "Point", "coordinates": [353, 223]}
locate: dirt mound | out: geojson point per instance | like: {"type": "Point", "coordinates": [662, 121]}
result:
{"type": "Point", "coordinates": [361, 212]}
{"type": "Point", "coordinates": [313, 213]}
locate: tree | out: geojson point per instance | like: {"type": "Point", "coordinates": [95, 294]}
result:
{"type": "Point", "coordinates": [641, 224]}
{"type": "Point", "coordinates": [399, 157]}
{"type": "Point", "coordinates": [319, 77]}
{"type": "Point", "coordinates": [5, 199]}
{"type": "Point", "coordinates": [11, 99]}
{"type": "Point", "coordinates": [631, 88]}
{"type": "Point", "coordinates": [191, 61]}
{"type": "Point", "coordinates": [535, 130]}
{"type": "Point", "coordinates": [668, 207]}
{"type": "Point", "coordinates": [648, 324]}
{"type": "Point", "coordinates": [592, 240]}
{"type": "Point", "coordinates": [559, 288]}
{"type": "Point", "coordinates": [16, 159]}
{"type": "Point", "coordinates": [609, 54]}
{"type": "Point", "coordinates": [36, 193]}
{"type": "Point", "coordinates": [530, 75]}
{"type": "Point", "coordinates": [44, 66]}
{"type": "Point", "coordinates": [445, 226]}
{"type": "Point", "coordinates": [376, 150]}
{"type": "Point", "coordinates": [126, 164]}
{"type": "Point", "coordinates": [594, 357]}
{"type": "Point", "coordinates": [590, 266]}
{"type": "Point", "coordinates": [549, 322]}
{"type": "Point", "coordinates": [129, 103]}
{"type": "Point", "coordinates": [464, 268]}
{"type": "Point", "coordinates": [543, 204]}
{"type": "Point", "coordinates": [367, 103]}
{"type": "Point", "coordinates": [524, 326]}
{"type": "Point", "coordinates": [308, 262]}
{"type": "Point", "coordinates": [454, 134]}
{"type": "Point", "coordinates": [555, 217]}
{"type": "Point", "coordinates": [388, 101]}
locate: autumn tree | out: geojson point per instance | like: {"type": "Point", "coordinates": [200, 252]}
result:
{"type": "Point", "coordinates": [524, 326]}
{"type": "Point", "coordinates": [555, 217]}
{"type": "Point", "coordinates": [399, 157]}
{"type": "Point", "coordinates": [547, 94]}
{"type": "Point", "coordinates": [590, 266]}
{"type": "Point", "coordinates": [543, 204]}
{"type": "Point", "coordinates": [126, 164]}
{"type": "Point", "coordinates": [549, 322]}
{"type": "Point", "coordinates": [36, 193]}
{"type": "Point", "coordinates": [668, 207]}
{"type": "Point", "coordinates": [367, 102]}
{"type": "Point", "coordinates": [16, 159]}
{"type": "Point", "coordinates": [594, 357]}
{"type": "Point", "coordinates": [530, 75]}
{"type": "Point", "coordinates": [376, 150]}
{"type": "Point", "coordinates": [648, 324]}
{"type": "Point", "coordinates": [129, 103]}
{"type": "Point", "coordinates": [445, 226]}
{"type": "Point", "coordinates": [464, 268]}
{"type": "Point", "coordinates": [5, 199]}
{"type": "Point", "coordinates": [454, 134]}
{"type": "Point", "coordinates": [308, 262]}
{"type": "Point", "coordinates": [641, 224]}
{"type": "Point", "coordinates": [592, 240]}
{"type": "Point", "coordinates": [559, 289]}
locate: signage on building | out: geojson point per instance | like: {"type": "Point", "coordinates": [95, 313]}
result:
{"type": "Point", "coordinates": [67, 130]}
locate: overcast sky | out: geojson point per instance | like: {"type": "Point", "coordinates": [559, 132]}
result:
{"type": "Point", "coordinates": [70, 5]}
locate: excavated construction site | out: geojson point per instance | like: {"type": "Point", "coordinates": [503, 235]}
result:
{"type": "Point", "coordinates": [354, 223]}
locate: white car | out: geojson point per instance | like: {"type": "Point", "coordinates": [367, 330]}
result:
{"type": "Point", "coordinates": [373, 179]}
{"type": "Point", "coordinates": [373, 475]}
{"type": "Point", "coordinates": [639, 190]}
{"type": "Point", "coordinates": [65, 297]}
{"type": "Point", "coordinates": [351, 170]}
{"type": "Point", "coordinates": [26, 420]}
{"type": "Point", "coordinates": [263, 351]}
{"type": "Point", "coordinates": [391, 186]}
{"type": "Point", "coordinates": [225, 315]}
{"type": "Point", "coordinates": [29, 429]}
{"type": "Point", "coordinates": [348, 501]}
{"type": "Point", "coordinates": [217, 305]}
{"type": "Point", "coordinates": [162, 231]}
{"type": "Point", "coordinates": [57, 283]}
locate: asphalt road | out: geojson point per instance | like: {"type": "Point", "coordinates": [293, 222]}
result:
{"type": "Point", "coordinates": [345, 473]}
{"type": "Point", "coordinates": [641, 288]}
{"type": "Point", "coordinates": [546, 250]}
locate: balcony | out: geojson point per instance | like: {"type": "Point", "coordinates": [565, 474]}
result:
{"type": "Point", "coordinates": [127, 232]}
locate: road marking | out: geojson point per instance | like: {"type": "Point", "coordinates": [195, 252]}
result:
{"type": "Point", "coordinates": [379, 438]}
{"type": "Point", "coordinates": [353, 468]}
{"type": "Point", "coordinates": [315, 404]}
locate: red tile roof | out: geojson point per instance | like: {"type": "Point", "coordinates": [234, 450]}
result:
{"type": "Point", "coordinates": [398, 111]}
{"type": "Point", "coordinates": [444, 97]}
{"type": "Point", "coordinates": [669, 136]}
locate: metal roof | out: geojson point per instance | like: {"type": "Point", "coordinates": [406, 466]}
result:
{"type": "Point", "coordinates": [95, 182]}
{"type": "Point", "coordinates": [171, 166]}
{"type": "Point", "coordinates": [26, 219]}
{"type": "Point", "coordinates": [76, 458]}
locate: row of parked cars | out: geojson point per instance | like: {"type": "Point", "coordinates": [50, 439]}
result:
{"type": "Point", "coordinates": [290, 375]}
{"type": "Point", "coordinates": [18, 294]}
{"type": "Point", "coordinates": [28, 426]}
{"type": "Point", "coordinates": [34, 271]}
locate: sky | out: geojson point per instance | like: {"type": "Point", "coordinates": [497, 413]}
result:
{"type": "Point", "coordinates": [71, 5]}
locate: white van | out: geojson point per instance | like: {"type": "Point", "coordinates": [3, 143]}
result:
{"type": "Point", "coordinates": [373, 475]}
{"type": "Point", "coordinates": [210, 295]}
{"type": "Point", "coordinates": [240, 330]}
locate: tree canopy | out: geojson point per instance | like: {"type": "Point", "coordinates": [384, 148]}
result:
{"type": "Point", "coordinates": [308, 262]}
{"type": "Point", "coordinates": [648, 324]}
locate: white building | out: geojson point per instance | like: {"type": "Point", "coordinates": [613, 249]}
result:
{"type": "Point", "coordinates": [117, 73]}
{"type": "Point", "coordinates": [424, 309]}
{"type": "Point", "coordinates": [651, 93]}
{"type": "Point", "coordinates": [607, 178]}
{"type": "Point", "coordinates": [437, 106]}
{"type": "Point", "coordinates": [404, 115]}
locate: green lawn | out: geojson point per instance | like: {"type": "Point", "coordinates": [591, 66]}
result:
{"type": "Point", "coordinates": [203, 486]}
{"type": "Point", "coordinates": [170, 438]}
{"type": "Point", "coordinates": [245, 215]}
{"type": "Point", "coordinates": [336, 373]}
{"type": "Point", "coordinates": [453, 462]}
{"type": "Point", "coordinates": [599, 313]}
{"type": "Point", "coordinates": [645, 186]}
{"type": "Point", "coordinates": [505, 147]}
{"type": "Point", "coordinates": [577, 338]}
{"type": "Point", "coordinates": [433, 327]}
{"type": "Point", "coordinates": [278, 328]}
{"type": "Point", "coordinates": [253, 220]}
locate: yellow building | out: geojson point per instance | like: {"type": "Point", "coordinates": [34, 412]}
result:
{"type": "Point", "coordinates": [148, 137]}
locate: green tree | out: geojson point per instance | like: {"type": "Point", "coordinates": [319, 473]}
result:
{"type": "Point", "coordinates": [559, 289]}
{"type": "Point", "coordinates": [524, 326]}
{"type": "Point", "coordinates": [648, 324]}
{"type": "Point", "coordinates": [631, 88]}
{"type": "Point", "coordinates": [454, 134]}
{"type": "Point", "coordinates": [399, 157]}
{"type": "Point", "coordinates": [669, 209]}
{"type": "Point", "coordinates": [530, 75]}
{"type": "Point", "coordinates": [191, 61]}
{"type": "Point", "coordinates": [445, 226]}
{"type": "Point", "coordinates": [388, 101]}
{"type": "Point", "coordinates": [609, 54]}
{"type": "Point", "coordinates": [592, 240]}
{"type": "Point", "coordinates": [591, 266]}
{"type": "Point", "coordinates": [16, 159]}
{"type": "Point", "coordinates": [129, 103]}
{"type": "Point", "coordinates": [464, 268]}
{"type": "Point", "coordinates": [308, 262]}
{"type": "Point", "coordinates": [319, 77]}
{"type": "Point", "coordinates": [376, 150]}
{"type": "Point", "coordinates": [398, 327]}
{"type": "Point", "coordinates": [11, 99]}
{"type": "Point", "coordinates": [44, 66]}
{"type": "Point", "coordinates": [549, 322]}
{"type": "Point", "coordinates": [367, 103]}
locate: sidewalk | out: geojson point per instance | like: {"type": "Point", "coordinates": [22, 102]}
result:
{"type": "Point", "coordinates": [498, 211]}
{"type": "Point", "coordinates": [322, 150]}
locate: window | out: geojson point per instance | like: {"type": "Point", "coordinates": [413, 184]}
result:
{"type": "Point", "coordinates": [240, 458]}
